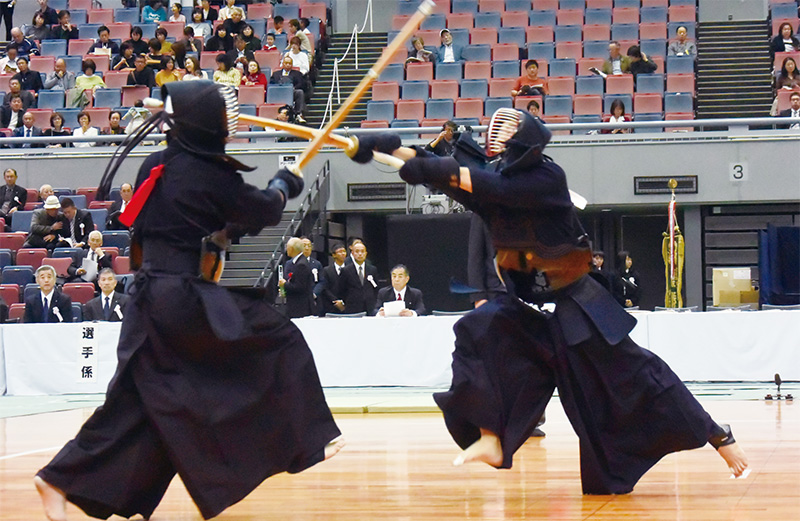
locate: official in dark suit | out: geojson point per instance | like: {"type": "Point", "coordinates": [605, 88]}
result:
{"type": "Point", "coordinates": [14, 107]}
{"type": "Point", "coordinates": [400, 290]}
{"type": "Point", "coordinates": [27, 130]}
{"type": "Point", "coordinates": [358, 283]}
{"type": "Point", "coordinates": [117, 207]}
{"type": "Point", "coordinates": [109, 306]}
{"type": "Point", "coordinates": [12, 197]}
{"type": "Point", "coordinates": [77, 225]}
{"type": "Point", "coordinates": [314, 264]}
{"type": "Point", "coordinates": [59, 305]}
{"type": "Point", "coordinates": [328, 299]}
{"type": "Point", "coordinates": [95, 254]}
{"type": "Point", "coordinates": [286, 75]}
{"type": "Point", "coordinates": [299, 282]}
{"type": "Point", "coordinates": [792, 112]}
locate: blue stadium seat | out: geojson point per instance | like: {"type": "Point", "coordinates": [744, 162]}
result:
{"type": "Point", "coordinates": [29, 289]}
{"type": "Point", "coordinates": [53, 47]}
{"type": "Point", "coordinates": [627, 3]}
{"type": "Point", "coordinates": [149, 31]}
{"type": "Point", "coordinates": [87, 31]}
{"type": "Point", "coordinates": [505, 69]}
{"type": "Point", "coordinates": [542, 19]}
{"type": "Point", "coordinates": [415, 89]}
{"type": "Point", "coordinates": [6, 258]}
{"type": "Point", "coordinates": [568, 33]}
{"type": "Point", "coordinates": [434, 21]}
{"type": "Point", "coordinates": [404, 123]}
{"type": "Point", "coordinates": [477, 53]}
{"type": "Point", "coordinates": [78, 17]}
{"type": "Point", "coordinates": [449, 71]}
{"type": "Point", "coordinates": [562, 67]}
{"type": "Point", "coordinates": [288, 11]}
{"type": "Point", "coordinates": [597, 17]}
{"type": "Point", "coordinates": [585, 118]}
{"type": "Point", "coordinates": [260, 27]}
{"type": "Point", "coordinates": [624, 32]}
{"type": "Point", "coordinates": [70, 117]}
{"type": "Point", "coordinates": [51, 99]}
{"type": "Point", "coordinates": [280, 94]}
{"type": "Point", "coordinates": [73, 63]}
{"type": "Point", "coordinates": [73, 253]}
{"type": "Point", "coordinates": [518, 5]}
{"type": "Point", "coordinates": [572, 4]}
{"type": "Point", "coordinates": [558, 106]}
{"type": "Point", "coordinates": [467, 122]}
{"type": "Point", "coordinates": [380, 110]}
{"type": "Point", "coordinates": [106, 98]}
{"type": "Point", "coordinates": [465, 6]}
{"type": "Point", "coordinates": [657, 15]}
{"type": "Point", "coordinates": [648, 117]}
{"type": "Point", "coordinates": [589, 85]}
{"type": "Point", "coordinates": [20, 275]}
{"type": "Point", "coordinates": [22, 221]}
{"type": "Point", "coordinates": [99, 216]}
{"type": "Point", "coordinates": [393, 72]}
{"type": "Point", "coordinates": [58, 5]}
{"type": "Point", "coordinates": [406, 7]}
{"type": "Point", "coordinates": [130, 16]}
{"type": "Point", "coordinates": [474, 88]}
{"type": "Point", "coordinates": [460, 36]}
{"type": "Point", "coordinates": [650, 83]}
{"type": "Point", "coordinates": [654, 47]}
{"type": "Point", "coordinates": [492, 104]}
{"type": "Point", "coordinates": [541, 50]}
{"type": "Point", "coordinates": [680, 65]}
{"type": "Point", "coordinates": [608, 99]}
{"type": "Point", "coordinates": [79, 200]}
{"type": "Point", "coordinates": [683, 2]}
{"type": "Point", "coordinates": [787, 10]}
{"type": "Point", "coordinates": [673, 102]}
{"type": "Point", "coordinates": [514, 35]}
{"type": "Point", "coordinates": [119, 238]}
{"type": "Point", "coordinates": [58, 192]}
{"type": "Point", "coordinates": [487, 20]}
{"type": "Point", "coordinates": [77, 312]}
{"type": "Point", "coordinates": [595, 50]}
{"type": "Point", "coordinates": [439, 109]}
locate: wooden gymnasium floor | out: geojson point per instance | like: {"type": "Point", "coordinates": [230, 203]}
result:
{"type": "Point", "coordinates": [396, 466]}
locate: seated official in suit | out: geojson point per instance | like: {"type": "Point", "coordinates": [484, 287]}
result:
{"type": "Point", "coordinates": [116, 209]}
{"type": "Point", "coordinates": [94, 254]}
{"type": "Point", "coordinates": [12, 196]}
{"type": "Point", "coordinates": [299, 282]}
{"type": "Point", "coordinates": [358, 283]}
{"type": "Point", "coordinates": [109, 305]}
{"type": "Point", "coordinates": [78, 224]}
{"type": "Point", "coordinates": [49, 304]}
{"type": "Point", "coordinates": [401, 291]}
{"type": "Point", "coordinates": [27, 130]}
{"type": "Point", "coordinates": [328, 299]}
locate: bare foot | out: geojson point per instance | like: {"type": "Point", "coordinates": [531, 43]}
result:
{"type": "Point", "coordinates": [54, 500]}
{"type": "Point", "coordinates": [735, 457]}
{"type": "Point", "coordinates": [487, 449]}
{"type": "Point", "coordinates": [333, 447]}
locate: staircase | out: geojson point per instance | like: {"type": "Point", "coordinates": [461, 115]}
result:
{"type": "Point", "coordinates": [370, 46]}
{"type": "Point", "coordinates": [247, 259]}
{"type": "Point", "coordinates": [733, 70]}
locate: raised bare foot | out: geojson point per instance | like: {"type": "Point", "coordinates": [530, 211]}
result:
{"type": "Point", "coordinates": [53, 500]}
{"type": "Point", "coordinates": [333, 447]}
{"type": "Point", "coordinates": [487, 449]}
{"type": "Point", "coordinates": [735, 457]}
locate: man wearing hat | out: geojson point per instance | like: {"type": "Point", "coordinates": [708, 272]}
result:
{"type": "Point", "coordinates": [449, 52]}
{"type": "Point", "coordinates": [45, 224]}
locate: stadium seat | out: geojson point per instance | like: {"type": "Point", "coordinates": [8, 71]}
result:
{"type": "Point", "coordinates": [53, 47]}
{"type": "Point", "coordinates": [287, 11]}
{"type": "Point", "coordinates": [31, 257]}
{"type": "Point", "coordinates": [558, 106]}
{"type": "Point", "coordinates": [469, 108]}
{"type": "Point", "coordinates": [539, 34]}
{"type": "Point", "coordinates": [477, 70]}
{"type": "Point", "coordinates": [380, 111]}
{"type": "Point", "coordinates": [410, 109]}
{"type": "Point", "coordinates": [677, 102]}
{"type": "Point", "coordinates": [475, 88]}
{"type": "Point", "coordinates": [115, 80]}
{"type": "Point", "coordinates": [565, 67]}
{"type": "Point", "coordinates": [651, 15]}
{"type": "Point", "coordinates": [449, 71]}
{"type": "Point", "coordinates": [80, 292]}
{"type": "Point", "coordinates": [682, 13]}
{"type": "Point", "coordinates": [625, 32]}
{"type": "Point", "coordinates": [680, 65]}
{"type": "Point", "coordinates": [51, 99]}
{"type": "Point", "coordinates": [268, 59]}
{"type": "Point", "coordinates": [42, 64]}
{"type": "Point", "coordinates": [597, 17]}
{"type": "Point", "coordinates": [625, 15]}
{"type": "Point", "coordinates": [493, 103]}
{"type": "Point", "coordinates": [647, 104]}
{"type": "Point", "coordinates": [99, 216]}
{"type": "Point", "coordinates": [572, 50]}
{"type": "Point", "coordinates": [130, 16]}
{"type": "Point", "coordinates": [589, 85]}
{"type": "Point", "coordinates": [656, 31]}
{"type": "Point", "coordinates": [542, 18]}
{"type": "Point", "coordinates": [572, 4]}
{"type": "Point", "coordinates": [569, 17]}
{"type": "Point", "coordinates": [679, 116]}
{"type": "Point", "coordinates": [477, 53]}
{"type": "Point", "coordinates": [544, 50]}
{"type": "Point", "coordinates": [19, 275]}
{"type": "Point", "coordinates": [518, 19]}
{"type": "Point", "coordinates": [419, 71]}
{"type": "Point", "coordinates": [621, 84]}
{"type": "Point", "coordinates": [568, 33]}
{"type": "Point", "coordinates": [444, 89]}
{"type": "Point", "coordinates": [119, 238]}
{"type": "Point", "coordinates": [585, 118]}
{"type": "Point", "coordinates": [556, 120]}
{"type": "Point", "coordinates": [596, 50]}
{"type": "Point", "coordinates": [584, 64]}
{"type": "Point", "coordinates": [100, 16]}
{"type": "Point", "coordinates": [597, 33]}
{"type": "Point", "coordinates": [505, 69]}
{"type": "Point", "coordinates": [518, 5]}
{"type": "Point", "coordinates": [79, 47]}
{"type": "Point", "coordinates": [13, 241]}
{"type": "Point", "coordinates": [564, 86]}
{"type": "Point", "coordinates": [512, 35]}
{"type": "Point", "coordinates": [460, 21]}
{"type": "Point", "coordinates": [650, 83]}
{"type": "Point", "coordinates": [680, 83]}
{"type": "Point", "coordinates": [393, 72]}
{"type": "Point", "coordinates": [9, 293]}
{"type": "Point", "coordinates": [490, 6]}
{"type": "Point", "coordinates": [439, 108]}
{"type": "Point", "coordinates": [415, 90]}
{"type": "Point", "coordinates": [548, 5]}
{"type": "Point", "coordinates": [282, 94]}
{"type": "Point", "coordinates": [599, 4]}
{"type": "Point", "coordinates": [654, 48]}
{"type": "Point", "coordinates": [133, 93]}
{"type": "Point", "coordinates": [433, 21]}
{"type": "Point", "coordinates": [587, 105]}
{"type": "Point", "coordinates": [21, 222]}
{"type": "Point", "coordinates": [121, 265]}
{"type": "Point", "coordinates": [505, 52]}
{"type": "Point", "coordinates": [389, 90]}
{"type": "Point", "coordinates": [110, 98]}
{"type": "Point", "coordinates": [252, 94]}
{"type": "Point", "coordinates": [464, 6]}
{"type": "Point", "coordinates": [489, 20]}
{"type": "Point", "coordinates": [483, 36]}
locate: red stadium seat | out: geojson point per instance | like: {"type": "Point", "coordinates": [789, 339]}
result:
{"type": "Point", "coordinates": [562, 86]}
{"type": "Point", "coordinates": [587, 105]}
{"type": "Point", "coordinates": [9, 293]}
{"type": "Point", "coordinates": [95, 205]}
{"type": "Point", "coordinates": [545, 5]}
{"type": "Point", "coordinates": [501, 87]}
{"type": "Point", "coordinates": [622, 84]}
{"type": "Point", "coordinates": [504, 52]}
{"type": "Point", "coordinates": [469, 108]}
{"type": "Point", "coordinates": [483, 35]}
{"type": "Point", "coordinates": [121, 265]}
{"type": "Point", "coordinates": [268, 110]}
{"type": "Point", "coordinates": [411, 109]}
{"type": "Point", "coordinates": [648, 104]}
{"type": "Point", "coordinates": [585, 63]}
{"type": "Point", "coordinates": [102, 62]}
{"type": "Point", "coordinates": [116, 79]}
{"type": "Point", "coordinates": [569, 17]}
{"type": "Point", "coordinates": [90, 193]}
{"type": "Point", "coordinates": [79, 47]}
{"type": "Point", "coordinates": [515, 19]}
{"type": "Point", "coordinates": [133, 93]}
{"type": "Point", "coordinates": [521, 102]}
{"type": "Point", "coordinates": [121, 31]}
{"type": "Point", "coordinates": [266, 59]}
{"type": "Point", "coordinates": [683, 13]}
{"type": "Point", "coordinates": [388, 90]}
{"type": "Point", "coordinates": [572, 50]}
{"type": "Point", "coordinates": [16, 311]}
{"type": "Point", "coordinates": [477, 70]}
{"type": "Point", "coordinates": [45, 64]}
{"type": "Point", "coordinates": [678, 116]}
{"type": "Point", "coordinates": [657, 31]}
{"type": "Point", "coordinates": [252, 94]}
{"type": "Point", "coordinates": [174, 29]}
{"type": "Point", "coordinates": [539, 34]}
{"type": "Point", "coordinates": [316, 10]}
{"type": "Point", "coordinates": [41, 117]}
{"type": "Point", "coordinates": [625, 15]}
{"type": "Point", "coordinates": [599, 4]}
{"type": "Point", "coordinates": [460, 21]}
{"type": "Point", "coordinates": [374, 124]}
{"type": "Point", "coordinates": [558, 119]}
{"type": "Point", "coordinates": [491, 6]}
{"type": "Point", "coordinates": [444, 89]}
{"type": "Point", "coordinates": [419, 71]}
{"type": "Point", "coordinates": [680, 83]}
{"type": "Point", "coordinates": [60, 264]}
{"type": "Point", "coordinates": [31, 257]}
{"type": "Point", "coordinates": [208, 59]}
{"type": "Point", "coordinates": [12, 241]}
{"type": "Point", "coordinates": [100, 16]}
{"type": "Point", "coordinates": [256, 11]}
{"type": "Point", "coordinates": [80, 292]}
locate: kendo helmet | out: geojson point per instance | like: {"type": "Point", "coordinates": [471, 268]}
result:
{"type": "Point", "coordinates": [519, 137]}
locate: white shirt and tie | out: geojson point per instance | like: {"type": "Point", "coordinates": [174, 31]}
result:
{"type": "Point", "coordinates": [795, 114]}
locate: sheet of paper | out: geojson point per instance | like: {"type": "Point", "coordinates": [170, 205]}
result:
{"type": "Point", "coordinates": [393, 308]}
{"type": "Point", "coordinates": [91, 270]}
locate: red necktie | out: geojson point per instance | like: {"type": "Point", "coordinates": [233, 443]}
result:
{"type": "Point", "coordinates": [136, 203]}
{"type": "Point", "coordinates": [399, 297]}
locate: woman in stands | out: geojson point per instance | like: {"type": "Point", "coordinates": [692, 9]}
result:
{"type": "Point", "coordinates": [221, 41]}
{"type": "Point", "coordinates": [254, 75]}
{"type": "Point", "coordinates": [154, 12]}
{"type": "Point", "coordinates": [193, 70]}
{"type": "Point", "coordinates": [785, 41]}
{"type": "Point", "coordinates": [788, 77]}
{"type": "Point", "coordinates": [251, 40]}
{"type": "Point", "coordinates": [201, 28]}
{"type": "Point", "coordinates": [57, 129]}
{"type": "Point", "coordinates": [176, 15]}
{"type": "Point", "coordinates": [618, 116]}
{"type": "Point", "coordinates": [168, 73]}
{"type": "Point", "coordinates": [420, 53]}
{"type": "Point", "coordinates": [38, 30]}
{"type": "Point", "coordinates": [85, 130]}
{"type": "Point", "coordinates": [226, 73]}
{"type": "Point", "coordinates": [76, 97]}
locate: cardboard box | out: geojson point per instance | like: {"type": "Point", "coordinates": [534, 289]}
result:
{"type": "Point", "coordinates": [732, 287]}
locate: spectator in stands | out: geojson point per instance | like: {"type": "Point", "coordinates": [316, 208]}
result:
{"type": "Point", "coordinates": [221, 41]}
{"type": "Point", "coordinates": [198, 24]}
{"type": "Point", "coordinates": [277, 25]}
{"type": "Point", "coordinates": [269, 42]}
{"type": "Point", "coordinates": [617, 116]}
{"type": "Point", "coordinates": [530, 84]}
{"type": "Point", "coordinates": [8, 64]}
{"type": "Point", "coordinates": [254, 75]}
{"type": "Point", "coordinates": [154, 12]}
{"type": "Point", "coordinates": [304, 23]}
{"type": "Point", "coordinates": [64, 30]}
{"type": "Point", "coordinates": [25, 46]}
{"type": "Point", "coordinates": [12, 196]}
{"type": "Point", "coordinates": [193, 70]}
{"type": "Point", "coordinates": [419, 53]}
{"type": "Point", "coordinates": [240, 55]}
{"type": "Point", "coordinates": [92, 253]}
{"type": "Point", "coordinates": [11, 114]}
{"type": "Point", "coordinates": [227, 11]}
{"type": "Point", "coordinates": [139, 45]}
{"type": "Point", "coordinates": [298, 283]}
{"type": "Point", "coordinates": [137, 115]}
{"type": "Point", "coordinates": [793, 111]}
{"type": "Point", "coordinates": [38, 30]}
{"type": "Point", "coordinates": [285, 114]}
{"type": "Point", "coordinates": [7, 15]}
{"type": "Point", "coordinates": [117, 207]}
{"type": "Point", "coordinates": [251, 40]}
{"type": "Point", "coordinates": [176, 15]}
{"type": "Point", "coordinates": [209, 14]}
{"type": "Point", "coordinates": [60, 78]}
{"type": "Point", "coordinates": [142, 74]}
{"type": "Point", "coordinates": [165, 47]}
{"type": "Point", "coordinates": [445, 142]}
{"type": "Point", "coordinates": [125, 61]}
{"type": "Point", "coordinates": [77, 97]}
{"type": "Point", "coordinates": [49, 15]}
{"type": "Point", "coordinates": [46, 191]}
{"type": "Point", "coordinates": [114, 128]}
{"type": "Point", "coordinates": [299, 58]}
{"type": "Point", "coordinates": [295, 32]}
{"type": "Point", "coordinates": [29, 80]}
{"type": "Point", "coordinates": [681, 46]}
{"type": "Point", "coordinates": [616, 63]}
{"type": "Point", "coordinates": [448, 52]}
{"type": "Point", "coordinates": [639, 62]}
{"type": "Point", "coordinates": [627, 284]}
{"type": "Point", "coordinates": [109, 306]}
{"type": "Point", "coordinates": [235, 23]}
{"type": "Point", "coordinates": [56, 129]}
{"type": "Point", "coordinates": [168, 73]}
{"type": "Point", "coordinates": [48, 304]}
{"type": "Point", "coordinates": [27, 130]}
{"type": "Point", "coordinates": [190, 43]}
{"type": "Point", "coordinates": [401, 291]}
{"type": "Point", "coordinates": [359, 283]}
{"type": "Point", "coordinates": [78, 224]}
{"type": "Point", "coordinates": [85, 130]}
{"type": "Point", "coordinates": [15, 87]}
{"type": "Point", "coordinates": [784, 41]}
{"type": "Point", "coordinates": [45, 224]}
{"type": "Point", "coordinates": [287, 75]}
{"type": "Point", "coordinates": [534, 108]}
{"type": "Point", "coordinates": [104, 41]}
{"type": "Point", "coordinates": [227, 73]}
{"type": "Point", "coordinates": [788, 77]}
{"type": "Point", "coordinates": [328, 299]}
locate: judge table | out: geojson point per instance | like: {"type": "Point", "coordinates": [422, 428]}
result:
{"type": "Point", "coordinates": [352, 352]}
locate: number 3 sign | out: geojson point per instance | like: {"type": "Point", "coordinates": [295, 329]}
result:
{"type": "Point", "coordinates": [738, 172]}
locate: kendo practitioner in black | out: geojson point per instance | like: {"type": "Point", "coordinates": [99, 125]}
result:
{"type": "Point", "coordinates": [557, 327]}
{"type": "Point", "coordinates": [212, 383]}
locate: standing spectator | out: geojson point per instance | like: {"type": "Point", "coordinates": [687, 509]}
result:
{"type": "Point", "coordinates": [11, 114]}
{"type": "Point", "coordinates": [27, 130]}
{"type": "Point", "coordinates": [49, 15]}
{"type": "Point", "coordinates": [329, 299]}
{"type": "Point", "coordinates": [444, 143]}
{"type": "Point", "coordinates": [139, 45]}
{"type": "Point", "coordinates": [193, 70]}
{"type": "Point", "coordinates": [142, 74]}
{"type": "Point", "coordinates": [201, 28]}
{"type": "Point", "coordinates": [209, 14]}
{"type": "Point", "coordinates": [45, 224]}
{"type": "Point", "coordinates": [616, 63]}
{"type": "Point", "coordinates": [793, 111]}
{"type": "Point", "coordinates": [126, 61]}
{"type": "Point", "coordinates": [251, 40]}
{"type": "Point", "coordinates": [639, 62]}
{"type": "Point", "coordinates": [154, 12]}
{"type": "Point", "coordinates": [12, 196]}
{"type": "Point", "coordinates": [530, 84]}
{"type": "Point", "coordinates": [7, 15]}
{"type": "Point", "coordinates": [287, 75]}
{"type": "Point", "coordinates": [64, 30]}
{"type": "Point", "coordinates": [176, 15]}
{"type": "Point", "coordinates": [15, 87]}
{"type": "Point", "coordinates": [784, 41]}
{"type": "Point", "coordinates": [617, 116]}
{"type": "Point", "coordinates": [109, 306]}
{"type": "Point", "coordinates": [221, 41]}
{"type": "Point", "coordinates": [299, 58]}
{"type": "Point", "coordinates": [56, 129]}
{"type": "Point", "coordinates": [449, 52]}
{"type": "Point", "coordinates": [226, 73]}
{"type": "Point", "coordinates": [48, 304]}
{"type": "Point", "coordinates": [298, 284]}
{"type": "Point", "coordinates": [29, 80]}
{"type": "Point", "coordinates": [85, 130]}
{"type": "Point", "coordinates": [168, 73]}
{"type": "Point", "coordinates": [104, 41]}
{"type": "Point", "coordinates": [78, 224]}
{"type": "Point", "coordinates": [60, 78]}
{"type": "Point", "coordinates": [235, 23]}
{"type": "Point", "coordinates": [25, 46]}
{"type": "Point", "coordinates": [627, 285]}
{"type": "Point", "coordinates": [682, 46]}
{"type": "Point", "coordinates": [314, 264]}
{"type": "Point", "coordinates": [401, 291]}
{"type": "Point", "coordinates": [599, 273]}
{"type": "Point", "coordinates": [254, 75]}
{"type": "Point", "coordinates": [87, 81]}
{"type": "Point", "coordinates": [227, 11]}
{"type": "Point", "coordinates": [38, 30]}
{"type": "Point", "coordinates": [359, 284]}
{"type": "Point", "coordinates": [8, 64]}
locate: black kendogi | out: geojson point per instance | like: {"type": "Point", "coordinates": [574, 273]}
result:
{"type": "Point", "coordinates": [213, 384]}
{"type": "Point", "coordinates": [557, 328]}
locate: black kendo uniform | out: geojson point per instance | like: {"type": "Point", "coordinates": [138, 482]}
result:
{"type": "Point", "coordinates": [212, 383]}
{"type": "Point", "coordinates": [626, 405]}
